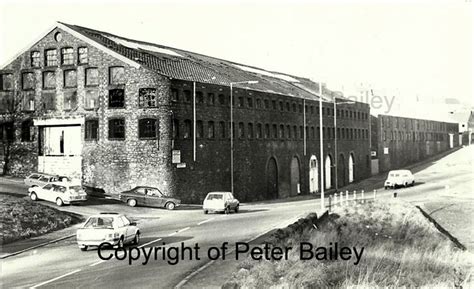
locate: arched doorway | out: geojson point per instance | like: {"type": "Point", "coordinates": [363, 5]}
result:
{"type": "Point", "coordinates": [341, 171]}
{"type": "Point", "coordinates": [272, 179]}
{"type": "Point", "coordinates": [313, 174]}
{"type": "Point", "coordinates": [295, 177]}
{"type": "Point", "coordinates": [327, 172]}
{"type": "Point", "coordinates": [351, 168]}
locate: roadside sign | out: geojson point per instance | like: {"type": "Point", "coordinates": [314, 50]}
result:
{"type": "Point", "coordinates": [176, 157]}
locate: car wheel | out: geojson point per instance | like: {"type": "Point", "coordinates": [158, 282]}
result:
{"type": "Point", "coordinates": [406, 185]}
{"type": "Point", "coordinates": [205, 212]}
{"type": "Point", "coordinates": [136, 240]}
{"type": "Point", "coordinates": [84, 248]}
{"type": "Point", "coordinates": [33, 196]}
{"type": "Point", "coordinates": [236, 209]}
{"type": "Point", "coordinates": [170, 206]}
{"type": "Point", "coordinates": [59, 202]}
{"type": "Point", "coordinates": [120, 243]}
{"type": "Point", "coordinates": [386, 188]}
{"type": "Point", "coordinates": [132, 202]}
{"type": "Point", "coordinates": [227, 210]}
{"type": "Point", "coordinates": [412, 183]}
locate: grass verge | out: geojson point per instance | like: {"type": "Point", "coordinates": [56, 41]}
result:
{"type": "Point", "coordinates": [21, 219]}
{"type": "Point", "coordinates": [401, 249]}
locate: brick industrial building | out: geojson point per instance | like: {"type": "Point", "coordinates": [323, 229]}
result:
{"type": "Point", "coordinates": [400, 141]}
{"type": "Point", "coordinates": [117, 113]}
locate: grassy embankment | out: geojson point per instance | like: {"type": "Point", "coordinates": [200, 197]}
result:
{"type": "Point", "coordinates": [402, 249]}
{"type": "Point", "coordinates": [20, 218]}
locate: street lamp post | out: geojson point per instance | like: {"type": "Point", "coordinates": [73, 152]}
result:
{"type": "Point", "coordinates": [321, 156]}
{"type": "Point", "coordinates": [232, 130]}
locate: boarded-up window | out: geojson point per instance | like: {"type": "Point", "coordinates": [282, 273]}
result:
{"type": "Point", "coordinates": [51, 57]}
{"type": "Point", "coordinates": [92, 77]}
{"type": "Point", "coordinates": [116, 98]}
{"type": "Point", "coordinates": [91, 100]}
{"type": "Point", "coordinates": [83, 56]}
{"type": "Point", "coordinates": [116, 75]}
{"type": "Point", "coordinates": [147, 97]}
{"type": "Point", "coordinates": [27, 80]}
{"type": "Point", "coordinates": [148, 128]}
{"type": "Point", "coordinates": [117, 129]}
{"type": "Point", "coordinates": [48, 99]}
{"type": "Point", "coordinates": [91, 129]}
{"type": "Point", "coordinates": [70, 100]}
{"type": "Point", "coordinates": [6, 81]}
{"type": "Point", "coordinates": [49, 80]}
{"type": "Point", "coordinates": [70, 78]}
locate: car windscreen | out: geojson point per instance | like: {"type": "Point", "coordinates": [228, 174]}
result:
{"type": "Point", "coordinates": [214, 197]}
{"type": "Point", "coordinates": [99, 222]}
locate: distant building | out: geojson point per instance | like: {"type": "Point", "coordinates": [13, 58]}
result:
{"type": "Point", "coordinates": [400, 141]}
{"type": "Point", "coordinates": [117, 113]}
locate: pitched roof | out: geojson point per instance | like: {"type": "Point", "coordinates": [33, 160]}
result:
{"type": "Point", "coordinates": [185, 65]}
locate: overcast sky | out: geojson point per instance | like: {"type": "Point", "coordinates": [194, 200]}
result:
{"type": "Point", "coordinates": [418, 53]}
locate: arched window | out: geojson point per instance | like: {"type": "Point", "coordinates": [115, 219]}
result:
{"type": "Point", "coordinates": [199, 129]}
{"type": "Point", "coordinates": [188, 129]}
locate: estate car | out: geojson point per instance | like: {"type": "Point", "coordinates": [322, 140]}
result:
{"type": "Point", "coordinates": [58, 192]}
{"type": "Point", "coordinates": [220, 202]}
{"type": "Point", "coordinates": [398, 178]}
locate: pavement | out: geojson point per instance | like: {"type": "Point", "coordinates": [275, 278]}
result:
{"type": "Point", "coordinates": [440, 182]}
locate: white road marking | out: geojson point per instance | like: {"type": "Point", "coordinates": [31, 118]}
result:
{"type": "Point", "coordinates": [205, 221]}
{"type": "Point", "coordinates": [151, 242]}
{"type": "Point", "coordinates": [97, 263]}
{"type": "Point", "coordinates": [172, 234]}
{"type": "Point", "coordinates": [185, 229]}
{"type": "Point", "coordinates": [54, 279]}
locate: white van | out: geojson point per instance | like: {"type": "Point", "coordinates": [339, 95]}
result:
{"type": "Point", "coordinates": [399, 178]}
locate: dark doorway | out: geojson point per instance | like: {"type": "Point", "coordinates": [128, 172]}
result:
{"type": "Point", "coordinates": [272, 179]}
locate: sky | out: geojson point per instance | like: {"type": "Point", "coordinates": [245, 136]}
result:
{"type": "Point", "coordinates": [415, 56]}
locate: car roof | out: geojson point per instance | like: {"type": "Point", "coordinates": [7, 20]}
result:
{"type": "Point", "coordinates": [43, 174]}
{"type": "Point", "coordinates": [107, 214]}
{"type": "Point", "coordinates": [400, 171]}
{"type": "Point", "coordinates": [219, 193]}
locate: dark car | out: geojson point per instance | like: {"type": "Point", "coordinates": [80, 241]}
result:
{"type": "Point", "coordinates": [148, 196]}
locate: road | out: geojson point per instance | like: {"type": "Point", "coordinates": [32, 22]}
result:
{"type": "Point", "coordinates": [63, 265]}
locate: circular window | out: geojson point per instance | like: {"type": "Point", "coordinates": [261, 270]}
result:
{"type": "Point", "coordinates": [58, 36]}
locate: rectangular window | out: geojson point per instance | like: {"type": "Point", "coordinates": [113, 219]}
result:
{"type": "Point", "coordinates": [7, 131]}
{"type": "Point", "coordinates": [241, 101]}
{"type": "Point", "coordinates": [147, 97]}
{"type": "Point", "coordinates": [6, 81]}
{"type": "Point", "coordinates": [199, 97]}
{"type": "Point", "coordinates": [49, 80]}
{"type": "Point", "coordinates": [211, 99]}
{"type": "Point", "coordinates": [241, 130]}
{"type": "Point", "coordinates": [92, 99]}
{"type": "Point", "coordinates": [91, 129]}
{"type": "Point", "coordinates": [83, 56]}
{"type": "Point", "coordinates": [27, 80]}
{"type": "Point", "coordinates": [221, 99]}
{"type": "Point", "coordinates": [222, 129]}
{"type": "Point", "coordinates": [116, 75]}
{"type": "Point", "coordinates": [266, 103]}
{"type": "Point", "coordinates": [210, 130]}
{"type": "Point", "coordinates": [35, 59]}
{"type": "Point", "coordinates": [70, 100]}
{"type": "Point", "coordinates": [51, 57]}
{"type": "Point", "coordinates": [281, 105]}
{"type": "Point", "coordinates": [49, 100]}
{"type": "Point", "coordinates": [116, 98]}
{"type": "Point", "coordinates": [148, 128]}
{"type": "Point", "coordinates": [117, 129]}
{"type": "Point", "coordinates": [26, 130]}
{"type": "Point", "coordinates": [258, 104]}
{"type": "Point", "coordinates": [70, 78]}
{"type": "Point", "coordinates": [174, 95]}
{"type": "Point", "coordinates": [250, 102]}
{"type": "Point", "coordinates": [67, 56]}
{"type": "Point", "coordinates": [28, 101]}
{"type": "Point", "coordinates": [187, 96]}
{"type": "Point", "coordinates": [92, 77]}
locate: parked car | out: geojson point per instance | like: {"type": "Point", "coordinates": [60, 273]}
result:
{"type": "Point", "coordinates": [399, 178]}
{"type": "Point", "coordinates": [220, 202]}
{"type": "Point", "coordinates": [148, 196]}
{"type": "Point", "coordinates": [41, 179]}
{"type": "Point", "coordinates": [58, 192]}
{"type": "Point", "coordinates": [113, 229]}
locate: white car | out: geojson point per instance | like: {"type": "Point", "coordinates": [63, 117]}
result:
{"type": "Point", "coordinates": [220, 202]}
{"type": "Point", "coordinates": [399, 178]}
{"type": "Point", "coordinates": [113, 229]}
{"type": "Point", "coordinates": [59, 192]}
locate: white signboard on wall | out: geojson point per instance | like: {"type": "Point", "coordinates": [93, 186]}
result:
{"type": "Point", "coordinates": [385, 151]}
